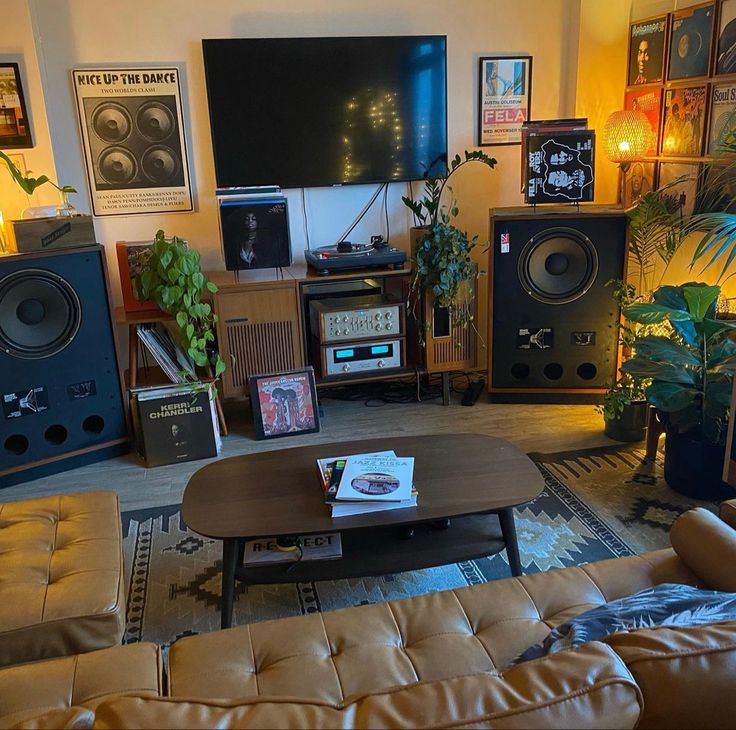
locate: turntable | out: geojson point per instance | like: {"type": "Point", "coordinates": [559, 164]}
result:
{"type": "Point", "coordinates": [347, 255]}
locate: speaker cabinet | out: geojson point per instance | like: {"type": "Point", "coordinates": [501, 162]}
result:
{"type": "Point", "coordinates": [554, 321]}
{"type": "Point", "coordinates": [61, 394]}
{"type": "Point", "coordinates": [448, 347]}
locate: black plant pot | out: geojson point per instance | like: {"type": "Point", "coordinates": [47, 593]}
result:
{"type": "Point", "coordinates": [631, 425]}
{"type": "Point", "coordinates": [693, 467]}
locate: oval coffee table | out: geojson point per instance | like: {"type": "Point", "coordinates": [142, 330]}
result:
{"type": "Point", "coordinates": [471, 480]}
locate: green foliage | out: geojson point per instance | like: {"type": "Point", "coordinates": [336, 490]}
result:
{"type": "Point", "coordinates": [29, 184]}
{"type": "Point", "coordinates": [172, 279]}
{"type": "Point", "coordinates": [623, 392]}
{"type": "Point", "coordinates": [691, 371]}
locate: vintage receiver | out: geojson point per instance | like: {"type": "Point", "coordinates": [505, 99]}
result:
{"type": "Point", "coordinates": [359, 357]}
{"type": "Point", "coordinates": [356, 318]}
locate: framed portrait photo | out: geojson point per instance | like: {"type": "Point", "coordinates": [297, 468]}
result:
{"type": "Point", "coordinates": [691, 34]}
{"type": "Point", "coordinates": [726, 47]}
{"type": "Point", "coordinates": [646, 50]}
{"type": "Point", "coordinates": [681, 180]}
{"type": "Point", "coordinates": [504, 98]}
{"type": "Point", "coordinates": [648, 101]}
{"type": "Point", "coordinates": [640, 179]}
{"type": "Point", "coordinates": [284, 404]}
{"type": "Point", "coordinates": [15, 129]}
{"type": "Point", "coordinates": [683, 121]}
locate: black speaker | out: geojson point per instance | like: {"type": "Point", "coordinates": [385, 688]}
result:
{"type": "Point", "coordinates": [62, 398]}
{"type": "Point", "coordinates": [554, 336]}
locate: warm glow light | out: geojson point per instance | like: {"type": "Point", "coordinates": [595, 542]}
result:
{"type": "Point", "coordinates": [627, 136]}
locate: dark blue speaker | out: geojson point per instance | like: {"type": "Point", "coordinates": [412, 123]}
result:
{"type": "Point", "coordinates": [60, 391]}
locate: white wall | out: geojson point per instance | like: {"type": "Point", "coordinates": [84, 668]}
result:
{"type": "Point", "coordinates": [76, 33]}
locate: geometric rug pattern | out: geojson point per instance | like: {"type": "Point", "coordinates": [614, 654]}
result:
{"type": "Point", "coordinates": [597, 504]}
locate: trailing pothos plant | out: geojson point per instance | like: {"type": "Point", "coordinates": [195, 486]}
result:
{"type": "Point", "coordinates": [691, 370]}
{"type": "Point", "coordinates": [173, 280]}
{"type": "Point", "coordinates": [29, 184]}
{"type": "Point", "coordinates": [442, 259]}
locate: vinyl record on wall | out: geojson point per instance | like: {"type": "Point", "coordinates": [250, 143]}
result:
{"type": "Point", "coordinates": [726, 51]}
{"type": "Point", "coordinates": [690, 42]}
{"type": "Point", "coordinates": [646, 50]}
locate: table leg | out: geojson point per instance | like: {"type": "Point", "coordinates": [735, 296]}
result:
{"type": "Point", "coordinates": [229, 561]}
{"type": "Point", "coordinates": [508, 529]}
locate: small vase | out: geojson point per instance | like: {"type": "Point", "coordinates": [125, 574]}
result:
{"type": "Point", "coordinates": [65, 209]}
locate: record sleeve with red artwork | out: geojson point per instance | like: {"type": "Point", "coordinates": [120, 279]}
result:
{"type": "Point", "coordinates": [284, 404]}
{"type": "Point", "coordinates": [648, 101]}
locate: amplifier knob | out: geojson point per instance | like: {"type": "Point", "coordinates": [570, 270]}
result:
{"type": "Point", "coordinates": [346, 331]}
{"type": "Point", "coordinates": [345, 367]}
{"type": "Point", "coordinates": [378, 315]}
{"type": "Point", "coordinates": [345, 318]}
{"type": "Point", "coordinates": [388, 325]}
{"type": "Point", "coordinates": [381, 364]}
{"type": "Point", "coordinates": [388, 315]}
{"type": "Point", "coordinates": [379, 326]}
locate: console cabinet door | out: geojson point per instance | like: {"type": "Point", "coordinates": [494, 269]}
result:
{"type": "Point", "coordinates": [260, 329]}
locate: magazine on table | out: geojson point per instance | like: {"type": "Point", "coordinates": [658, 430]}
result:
{"type": "Point", "coordinates": [376, 478]}
{"type": "Point", "coordinates": [327, 546]}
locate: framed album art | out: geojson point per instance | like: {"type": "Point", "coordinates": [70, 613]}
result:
{"type": "Point", "coordinates": [640, 179]}
{"type": "Point", "coordinates": [722, 127]}
{"type": "Point", "coordinates": [15, 129]}
{"type": "Point", "coordinates": [683, 121]}
{"type": "Point", "coordinates": [726, 46]}
{"type": "Point", "coordinates": [648, 101]}
{"type": "Point", "coordinates": [284, 404]}
{"type": "Point", "coordinates": [680, 179]}
{"type": "Point", "coordinates": [691, 34]}
{"type": "Point", "coordinates": [504, 98]}
{"type": "Point", "coordinates": [646, 50]}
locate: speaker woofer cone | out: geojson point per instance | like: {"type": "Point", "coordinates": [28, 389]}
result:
{"type": "Point", "coordinates": [558, 266]}
{"type": "Point", "coordinates": [40, 314]}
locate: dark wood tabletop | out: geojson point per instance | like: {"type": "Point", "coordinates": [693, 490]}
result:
{"type": "Point", "coordinates": [279, 492]}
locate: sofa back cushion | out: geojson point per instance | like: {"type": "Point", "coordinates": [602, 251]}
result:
{"type": "Point", "coordinates": [589, 687]}
{"type": "Point", "coordinates": [685, 674]}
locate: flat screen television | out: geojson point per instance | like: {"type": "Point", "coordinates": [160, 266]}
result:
{"type": "Point", "coordinates": [308, 112]}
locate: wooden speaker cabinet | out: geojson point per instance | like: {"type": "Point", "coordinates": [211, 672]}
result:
{"type": "Point", "coordinates": [258, 330]}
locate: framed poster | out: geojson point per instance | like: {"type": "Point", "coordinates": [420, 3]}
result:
{"type": "Point", "coordinates": [15, 130]}
{"type": "Point", "coordinates": [504, 98]}
{"type": "Point", "coordinates": [639, 180]}
{"type": "Point", "coordinates": [691, 34]}
{"type": "Point", "coordinates": [648, 101]}
{"type": "Point", "coordinates": [722, 127]}
{"type": "Point", "coordinates": [560, 167]}
{"type": "Point", "coordinates": [680, 179]}
{"type": "Point", "coordinates": [646, 50]}
{"type": "Point", "coordinates": [284, 404]}
{"type": "Point", "coordinates": [726, 47]}
{"type": "Point", "coordinates": [683, 121]}
{"type": "Point", "coordinates": [132, 132]}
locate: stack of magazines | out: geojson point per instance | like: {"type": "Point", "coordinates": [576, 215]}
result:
{"type": "Point", "coordinates": [362, 483]}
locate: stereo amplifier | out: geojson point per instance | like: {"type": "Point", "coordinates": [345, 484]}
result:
{"type": "Point", "coordinates": [356, 318]}
{"type": "Point", "coordinates": [359, 357]}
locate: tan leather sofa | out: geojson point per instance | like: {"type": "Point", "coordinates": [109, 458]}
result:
{"type": "Point", "coordinates": [432, 661]}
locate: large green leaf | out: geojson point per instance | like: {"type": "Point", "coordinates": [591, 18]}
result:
{"type": "Point", "coordinates": [716, 327]}
{"type": "Point", "coordinates": [670, 296]}
{"type": "Point", "coordinates": [664, 349]}
{"type": "Point", "coordinates": [654, 313]}
{"type": "Point", "coordinates": [670, 397]}
{"type": "Point", "coordinates": [722, 353]}
{"type": "Point", "coordinates": [719, 393]}
{"type": "Point", "coordinates": [664, 371]}
{"type": "Point", "coordinates": [700, 299]}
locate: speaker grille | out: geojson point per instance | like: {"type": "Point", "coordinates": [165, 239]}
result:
{"type": "Point", "coordinates": [266, 347]}
{"type": "Point", "coordinates": [558, 266]}
{"type": "Point", "coordinates": [40, 314]}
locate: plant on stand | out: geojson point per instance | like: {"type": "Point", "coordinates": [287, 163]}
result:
{"type": "Point", "coordinates": [173, 280]}
{"type": "Point", "coordinates": [690, 373]}
{"type": "Point", "coordinates": [442, 257]}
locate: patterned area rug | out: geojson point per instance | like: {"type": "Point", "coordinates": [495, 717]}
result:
{"type": "Point", "coordinates": [597, 504]}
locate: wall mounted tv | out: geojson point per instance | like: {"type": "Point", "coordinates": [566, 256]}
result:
{"type": "Point", "coordinates": [307, 112]}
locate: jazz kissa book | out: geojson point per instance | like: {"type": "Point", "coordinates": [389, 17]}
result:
{"type": "Point", "coordinates": [376, 478]}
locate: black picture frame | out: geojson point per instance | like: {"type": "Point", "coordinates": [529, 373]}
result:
{"type": "Point", "coordinates": [294, 410]}
{"type": "Point", "coordinates": [490, 101]}
{"type": "Point", "coordinates": [15, 127]}
{"type": "Point", "coordinates": [653, 32]}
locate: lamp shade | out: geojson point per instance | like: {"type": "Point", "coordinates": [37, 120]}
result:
{"type": "Point", "coordinates": [626, 136]}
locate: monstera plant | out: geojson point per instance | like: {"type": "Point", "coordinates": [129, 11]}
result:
{"type": "Point", "coordinates": [691, 374]}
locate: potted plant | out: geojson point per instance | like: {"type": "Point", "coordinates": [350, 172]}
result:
{"type": "Point", "coordinates": [441, 251]}
{"type": "Point", "coordinates": [29, 184]}
{"type": "Point", "coordinates": [690, 370]}
{"type": "Point", "coordinates": [173, 280]}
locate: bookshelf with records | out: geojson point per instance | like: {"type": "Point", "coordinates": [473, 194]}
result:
{"type": "Point", "coordinates": [358, 484]}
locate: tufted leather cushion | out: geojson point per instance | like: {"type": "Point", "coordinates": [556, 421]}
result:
{"type": "Point", "coordinates": [685, 674]}
{"type": "Point", "coordinates": [328, 657]}
{"type": "Point", "coordinates": [65, 689]}
{"type": "Point", "coordinates": [61, 576]}
{"type": "Point", "coordinates": [588, 688]}
{"type": "Point", "coordinates": [727, 512]}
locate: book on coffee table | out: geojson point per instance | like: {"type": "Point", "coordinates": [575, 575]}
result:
{"type": "Point", "coordinates": [265, 551]}
{"type": "Point", "coordinates": [376, 478]}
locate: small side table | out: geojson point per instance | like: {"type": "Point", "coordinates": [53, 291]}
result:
{"type": "Point", "coordinates": [132, 319]}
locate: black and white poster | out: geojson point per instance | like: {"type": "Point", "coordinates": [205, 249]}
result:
{"type": "Point", "coordinates": [133, 137]}
{"type": "Point", "coordinates": [560, 167]}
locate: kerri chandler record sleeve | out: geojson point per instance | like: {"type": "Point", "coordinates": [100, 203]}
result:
{"type": "Point", "coordinates": [130, 120]}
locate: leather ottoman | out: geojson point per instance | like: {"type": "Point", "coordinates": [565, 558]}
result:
{"type": "Point", "coordinates": [61, 576]}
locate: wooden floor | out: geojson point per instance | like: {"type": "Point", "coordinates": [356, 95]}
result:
{"type": "Point", "coordinates": [530, 427]}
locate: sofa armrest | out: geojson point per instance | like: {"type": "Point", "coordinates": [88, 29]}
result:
{"type": "Point", "coordinates": [586, 688]}
{"type": "Point", "coordinates": [727, 512]}
{"type": "Point", "coordinates": [707, 545]}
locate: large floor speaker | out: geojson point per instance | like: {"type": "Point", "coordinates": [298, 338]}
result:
{"type": "Point", "coordinates": [553, 320]}
{"type": "Point", "coordinates": [62, 399]}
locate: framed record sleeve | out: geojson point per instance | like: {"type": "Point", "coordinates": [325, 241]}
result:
{"type": "Point", "coordinates": [726, 46]}
{"type": "Point", "coordinates": [683, 121]}
{"type": "Point", "coordinates": [691, 35]}
{"type": "Point", "coordinates": [722, 127]}
{"type": "Point", "coordinates": [648, 101]}
{"type": "Point", "coordinates": [646, 51]}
